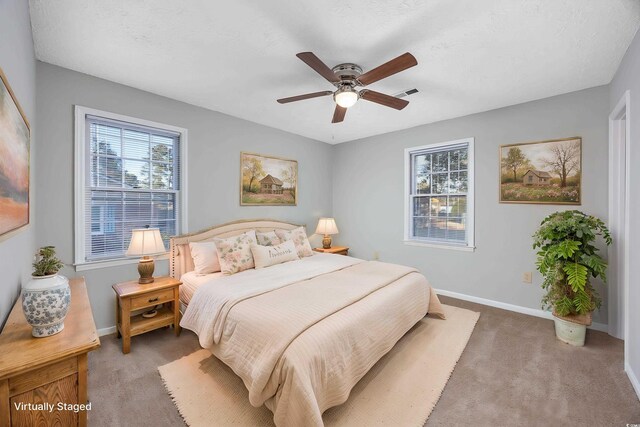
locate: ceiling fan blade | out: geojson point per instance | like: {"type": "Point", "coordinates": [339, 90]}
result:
{"type": "Point", "coordinates": [305, 96]}
{"type": "Point", "coordinates": [382, 99]}
{"type": "Point", "coordinates": [338, 114]}
{"type": "Point", "coordinates": [320, 67]}
{"type": "Point", "coordinates": [387, 69]}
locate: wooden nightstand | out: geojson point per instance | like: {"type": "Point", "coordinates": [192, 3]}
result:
{"type": "Point", "coordinates": [338, 250]}
{"type": "Point", "coordinates": [133, 296]}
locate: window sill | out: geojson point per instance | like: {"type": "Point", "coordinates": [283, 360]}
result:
{"type": "Point", "coordinates": [462, 248]}
{"type": "Point", "coordinates": [95, 265]}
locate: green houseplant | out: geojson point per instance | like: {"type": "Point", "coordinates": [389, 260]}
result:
{"type": "Point", "coordinates": [568, 259]}
{"type": "Point", "coordinates": [46, 262]}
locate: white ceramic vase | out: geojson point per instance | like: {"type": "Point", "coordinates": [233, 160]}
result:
{"type": "Point", "coordinates": [569, 332]}
{"type": "Point", "coordinates": [45, 303]}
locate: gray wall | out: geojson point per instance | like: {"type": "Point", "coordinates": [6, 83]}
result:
{"type": "Point", "coordinates": [17, 59]}
{"type": "Point", "coordinates": [368, 199]}
{"type": "Point", "coordinates": [215, 142]}
{"type": "Point", "coordinates": [628, 78]}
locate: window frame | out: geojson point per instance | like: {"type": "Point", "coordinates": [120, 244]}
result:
{"type": "Point", "coordinates": [80, 179]}
{"type": "Point", "coordinates": [469, 245]}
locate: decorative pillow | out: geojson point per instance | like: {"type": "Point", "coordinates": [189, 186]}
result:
{"type": "Point", "coordinates": [270, 238]}
{"type": "Point", "coordinates": [234, 252]}
{"type": "Point", "coordinates": [265, 256]}
{"type": "Point", "coordinates": [205, 257]}
{"type": "Point", "coordinates": [299, 237]}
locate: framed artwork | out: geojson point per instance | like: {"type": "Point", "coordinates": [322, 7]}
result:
{"type": "Point", "coordinates": [268, 180]}
{"type": "Point", "coordinates": [14, 161]}
{"type": "Point", "coordinates": [545, 172]}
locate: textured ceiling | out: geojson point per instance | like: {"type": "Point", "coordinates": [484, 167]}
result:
{"type": "Point", "coordinates": [238, 56]}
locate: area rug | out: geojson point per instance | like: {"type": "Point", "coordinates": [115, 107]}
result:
{"type": "Point", "coordinates": [400, 390]}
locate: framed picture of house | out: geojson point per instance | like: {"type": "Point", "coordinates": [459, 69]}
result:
{"type": "Point", "coordinates": [544, 172]}
{"type": "Point", "coordinates": [14, 162]}
{"type": "Point", "coordinates": [268, 180]}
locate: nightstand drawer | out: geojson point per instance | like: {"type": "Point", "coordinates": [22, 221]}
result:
{"type": "Point", "coordinates": [152, 298]}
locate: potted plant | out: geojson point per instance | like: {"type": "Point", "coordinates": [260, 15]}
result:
{"type": "Point", "coordinates": [568, 259]}
{"type": "Point", "coordinates": [46, 297]}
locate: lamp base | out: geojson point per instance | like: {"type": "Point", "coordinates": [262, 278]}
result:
{"type": "Point", "coordinates": [326, 242]}
{"type": "Point", "coordinates": [145, 269]}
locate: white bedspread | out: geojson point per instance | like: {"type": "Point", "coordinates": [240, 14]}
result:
{"type": "Point", "coordinates": [302, 334]}
{"type": "Point", "coordinates": [212, 301]}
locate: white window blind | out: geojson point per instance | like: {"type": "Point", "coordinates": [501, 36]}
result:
{"type": "Point", "coordinates": [132, 180]}
{"type": "Point", "coordinates": [440, 193]}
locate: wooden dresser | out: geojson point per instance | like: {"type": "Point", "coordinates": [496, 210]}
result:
{"type": "Point", "coordinates": [51, 370]}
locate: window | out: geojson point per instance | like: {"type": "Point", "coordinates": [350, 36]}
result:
{"type": "Point", "coordinates": [439, 195]}
{"type": "Point", "coordinates": [128, 175]}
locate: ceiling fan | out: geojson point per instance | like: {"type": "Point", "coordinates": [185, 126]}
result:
{"type": "Point", "coordinates": [347, 77]}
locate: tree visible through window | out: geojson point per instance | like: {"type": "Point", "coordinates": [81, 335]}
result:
{"type": "Point", "coordinates": [439, 193]}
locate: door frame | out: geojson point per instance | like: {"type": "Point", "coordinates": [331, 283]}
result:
{"type": "Point", "coordinates": [619, 217]}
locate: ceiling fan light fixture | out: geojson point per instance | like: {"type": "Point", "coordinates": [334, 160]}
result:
{"type": "Point", "coordinates": [347, 77]}
{"type": "Point", "coordinates": [345, 97]}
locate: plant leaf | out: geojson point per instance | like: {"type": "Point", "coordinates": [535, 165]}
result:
{"type": "Point", "coordinates": [582, 303]}
{"type": "Point", "coordinates": [564, 306]}
{"type": "Point", "coordinates": [595, 263]}
{"type": "Point", "coordinates": [576, 275]}
{"type": "Point", "coordinates": [567, 248]}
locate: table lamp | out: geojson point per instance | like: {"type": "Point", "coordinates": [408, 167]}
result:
{"type": "Point", "coordinates": [145, 242]}
{"type": "Point", "coordinates": [327, 226]}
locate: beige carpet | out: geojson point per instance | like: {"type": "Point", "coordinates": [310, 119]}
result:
{"type": "Point", "coordinates": [401, 389]}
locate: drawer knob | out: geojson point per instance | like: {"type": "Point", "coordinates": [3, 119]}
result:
{"type": "Point", "coordinates": [153, 299]}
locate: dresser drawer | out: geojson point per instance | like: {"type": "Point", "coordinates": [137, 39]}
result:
{"type": "Point", "coordinates": [151, 299]}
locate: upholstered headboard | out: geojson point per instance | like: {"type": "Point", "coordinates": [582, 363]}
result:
{"type": "Point", "coordinates": [180, 260]}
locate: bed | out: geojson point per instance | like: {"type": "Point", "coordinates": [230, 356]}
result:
{"type": "Point", "coordinates": [300, 334]}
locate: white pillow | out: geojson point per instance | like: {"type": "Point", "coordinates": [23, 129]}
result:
{"type": "Point", "coordinates": [299, 238]}
{"type": "Point", "coordinates": [205, 257]}
{"type": "Point", "coordinates": [265, 256]}
{"type": "Point", "coordinates": [234, 252]}
{"type": "Point", "coordinates": [268, 239]}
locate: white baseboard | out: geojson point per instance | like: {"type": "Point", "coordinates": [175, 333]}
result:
{"type": "Point", "coordinates": [512, 307]}
{"type": "Point", "coordinates": [632, 377]}
{"type": "Point", "coordinates": [491, 303]}
{"type": "Point", "coordinates": [106, 331]}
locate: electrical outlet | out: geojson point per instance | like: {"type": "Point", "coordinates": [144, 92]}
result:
{"type": "Point", "coordinates": [526, 277]}
{"type": "Point", "coordinates": [376, 256]}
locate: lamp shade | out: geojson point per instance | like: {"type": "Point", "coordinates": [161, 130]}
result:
{"type": "Point", "coordinates": [145, 241]}
{"type": "Point", "coordinates": [327, 226]}
{"type": "Point", "coordinates": [346, 98]}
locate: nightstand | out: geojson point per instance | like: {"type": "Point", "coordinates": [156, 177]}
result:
{"type": "Point", "coordinates": [133, 296]}
{"type": "Point", "coordinates": [338, 250]}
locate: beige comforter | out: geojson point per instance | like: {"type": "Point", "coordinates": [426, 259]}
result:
{"type": "Point", "coordinates": [301, 345]}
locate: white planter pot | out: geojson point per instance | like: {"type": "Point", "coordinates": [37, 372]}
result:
{"type": "Point", "coordinates": [569, 332]}
{"type": "Point", "coordinates": [45, 303]}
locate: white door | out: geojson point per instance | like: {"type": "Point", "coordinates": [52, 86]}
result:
{"type": "Point", "coordinates": [619, 161]}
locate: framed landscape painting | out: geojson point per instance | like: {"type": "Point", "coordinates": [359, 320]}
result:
{"type": "Point", "coordinates": [268, 180]}
{"type": "Point", "coordinates": [546, 172]}
{"type": "Point", "coordinates": [14, 161]}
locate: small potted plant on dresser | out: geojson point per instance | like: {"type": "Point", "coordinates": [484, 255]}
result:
{"type": "Point", "coordinates": [46, 297]}
{"type": "Point", "coordinates": [568, 259]}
